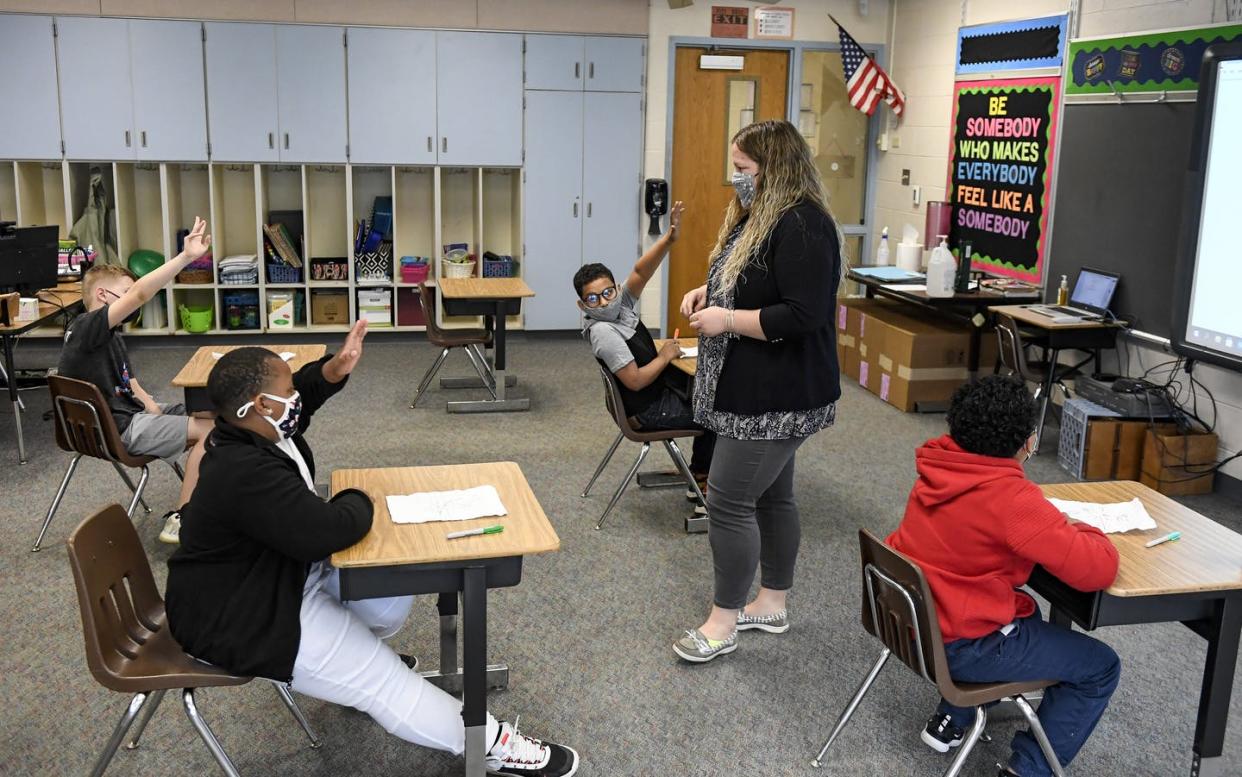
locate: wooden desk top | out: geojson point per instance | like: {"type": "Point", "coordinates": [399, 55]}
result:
{"type": "Point", "coordinates": [1208, 557]}
{"type": "Point", "coordinates": [686, 365]}
{"type": "Point", "coordinates": [484, 288]}
{"type": "Point", "coordinates": [1024, 315]}
{"type": "Point", "coordinates": [194, 373]}
{"type": "Point", "coordinates": [527, 529]}
{"type": "Point", "coordinates": [68, 294]}
{"type": "Point", "coordinates": [981, 298]}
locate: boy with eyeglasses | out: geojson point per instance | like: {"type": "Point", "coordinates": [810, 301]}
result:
{"type": "Point", "coordinates": [94, 351]}
{"type": "Point", "coordinates": [654, 394]}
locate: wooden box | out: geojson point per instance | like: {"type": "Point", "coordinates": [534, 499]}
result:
{"type": "Point", "coordinates": [1114, 449]}
{"type": "Point", "coordinates": [1174, 463]}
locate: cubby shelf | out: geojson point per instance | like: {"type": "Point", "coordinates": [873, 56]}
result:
{"type": "Point", "coordinates": [146, 204]}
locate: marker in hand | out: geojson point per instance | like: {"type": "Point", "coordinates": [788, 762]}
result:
{"type": "Point", "coordinates": [453, 535]}
{"type": "Point", "coordinates": [1176, 535]}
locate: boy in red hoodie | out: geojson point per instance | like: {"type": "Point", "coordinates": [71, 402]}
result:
{"type": "Point", "coordinates": [976, 526]}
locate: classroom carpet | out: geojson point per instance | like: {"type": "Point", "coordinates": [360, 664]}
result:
{"type": "Point", "coordinates": [587, 634]}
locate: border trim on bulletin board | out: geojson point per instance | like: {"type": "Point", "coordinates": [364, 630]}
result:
{"type": "Point", "coordinates": [983, 257]}
{"type": "Point", "coordinates": [1018, 45]}
{"type": "Point", "coordinates": [1152, 62]}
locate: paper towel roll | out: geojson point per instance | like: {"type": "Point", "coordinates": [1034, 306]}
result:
{"type": "Point", "coordinates": [910, 256]}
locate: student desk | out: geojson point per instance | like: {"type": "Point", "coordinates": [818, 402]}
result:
{"type": "Point", "coordinates": [65, 299]}
{"type": "Point", "coordinates": [494, 299]}
{"type": "Point", "coordinates": [1196, 580]}
{"type": "Point", "coordinates": [404, 559]}
{"type": "Point", "coordinates": [1060, 336]}
{"type": "Point", "coordinates": [970, 307]}
{"type": "Point", "coordinates": [193, 376]}
{"type": "Point", "coordinates": [686, 364]}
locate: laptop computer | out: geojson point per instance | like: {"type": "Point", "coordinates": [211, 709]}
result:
{"type": "Point", "coordinates": [1093, 293]}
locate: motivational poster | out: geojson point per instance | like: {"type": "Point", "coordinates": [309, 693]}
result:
{"type": "Point", "coordinates": [1000, 172]}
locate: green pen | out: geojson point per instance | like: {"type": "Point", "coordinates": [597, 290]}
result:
{"type": "Point", "coordinates": [474, 532]}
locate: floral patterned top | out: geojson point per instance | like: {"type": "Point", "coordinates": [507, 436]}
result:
{"type": "Point", "coordinates": [713, 351]}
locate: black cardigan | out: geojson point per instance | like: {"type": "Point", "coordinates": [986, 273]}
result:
{"type": "Point", "coordinates": [793, 285]}
{"type": "Point", "coordinates": [248, 536]}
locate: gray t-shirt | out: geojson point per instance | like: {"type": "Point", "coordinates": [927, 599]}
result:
{"type": "Point", "coordinates": [608, 338]}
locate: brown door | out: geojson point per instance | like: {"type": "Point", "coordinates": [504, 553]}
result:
{"type": "Point", "coordinates": [708, 107]}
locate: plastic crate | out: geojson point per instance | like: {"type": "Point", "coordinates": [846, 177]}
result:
{"type": "Point", "coordinates": [241, 310]}
{"type": "Point", "coordinates": [1076, 415]}
{"type": "Point", "coordinates": [501, 267]}
{"type": "Point", "coordinates": [283, 273]}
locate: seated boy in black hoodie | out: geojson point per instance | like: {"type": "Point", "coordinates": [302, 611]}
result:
{"type": "Point", "coordinates": [251, 590]}
{"type": "Point", "coordinates": [654, 393]}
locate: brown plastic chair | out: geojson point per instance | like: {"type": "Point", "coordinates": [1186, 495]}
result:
{"type": "Point", "coordinates": [128, 645]}
{"type": "Point", "coordinates": [447, 340]}
{"type": "Point", "coordinates": [898, 610]}
{"type": "Point", "coordinates": [627, 431]}
{"type": "Point", "coordinates": [85, 427]}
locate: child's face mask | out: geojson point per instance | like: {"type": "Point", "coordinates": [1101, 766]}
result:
{"type": "Point", "coordinates": [287, 425]}
{"type": "Point", "coordinates": [609, 312]}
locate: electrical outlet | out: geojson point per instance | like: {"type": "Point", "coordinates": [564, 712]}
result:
{"type": "Point", "coordinates": [895, 141]}
{"type": "Point", "coordinates": [905, 177]}
{"type": "Point", "coordinates": [916, 193]}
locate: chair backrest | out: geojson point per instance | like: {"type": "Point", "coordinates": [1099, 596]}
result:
{"type": "Point", "coordinates": [427, 301]}
{"type": "Point", "coordinates": [84, 422]}
{"type": "Point", "coordinates": [120, 605]}
{"type": "Point", "coordinates": [1012, 349]}
{"type": "Point", "coordinates": [898, 609]}
{"type": "Point", "coordinates": [614, 403]}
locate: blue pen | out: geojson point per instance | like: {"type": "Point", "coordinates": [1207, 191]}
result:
{"type": "Point", "coordinates": [1175, 535]}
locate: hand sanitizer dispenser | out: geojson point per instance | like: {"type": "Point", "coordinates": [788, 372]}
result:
{"type": "Point", "coordinates": [941, 270]}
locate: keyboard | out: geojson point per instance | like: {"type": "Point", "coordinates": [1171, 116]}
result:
{"type": "Point", "coordinates": [1059, 310]}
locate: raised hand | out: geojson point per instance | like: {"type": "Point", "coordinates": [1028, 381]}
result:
{"type": "Point", "coordinates": [674, 221]}
{"type": "Point", "coordinates": [198, 242]}
{"type": "Point", "coordinates": [336, 368]}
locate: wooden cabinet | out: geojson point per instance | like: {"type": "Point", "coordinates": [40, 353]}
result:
{"type": "Point", "coordinates": [30, 121]}
{"type": "Point", "coordinates": [392, 96]}
{"type": "Point", "coordinates": [170, 113]}
{"type": "Point", "coordinates": [479, 99]}
{"type": "Point", "coordinates": [310, 88]}
{"type": "Point", "coordinates": [241, 91]}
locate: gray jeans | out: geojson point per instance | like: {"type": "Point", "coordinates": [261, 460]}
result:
{"type": "Point", "coordinates": [753, 518]}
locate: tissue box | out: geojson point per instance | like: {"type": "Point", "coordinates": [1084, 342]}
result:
{"type": "Point", "coordinates": [280, 310]}
{"type": "Point", "coordinates": [28, 309]}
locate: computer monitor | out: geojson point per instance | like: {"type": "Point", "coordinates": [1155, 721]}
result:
{"type": "Point", "coordinates": [1094, 290]}
{"type": "Point", "coordinates": [28, 258]}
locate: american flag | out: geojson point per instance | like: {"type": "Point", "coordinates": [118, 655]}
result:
{"type": "Point", "coordinates": [866, 81]}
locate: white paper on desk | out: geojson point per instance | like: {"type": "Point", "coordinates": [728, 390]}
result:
{"type": "Point", "coordinates": [1109, 518]}
{"type": "Point", "coordinates": [691, 352]}
{"type": "Point", "coordinates": [460, 505]}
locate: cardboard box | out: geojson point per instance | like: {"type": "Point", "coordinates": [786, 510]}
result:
{"type": "Point", "coordinates": [1114, 449]}
{"type": "Point", "coordinates": [919, 360]}
{"type": "Point", "coordinates": [375, 306]}
{"type": "Point", "coordinates": [280, 310]}
{"type": "Point", "coordinates": [1174, 463]}
{"type": "Point", "coordinates": [330, 307]}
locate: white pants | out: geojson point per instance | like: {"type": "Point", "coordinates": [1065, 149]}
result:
{"type": "Point", "coordinates": [342, 659]}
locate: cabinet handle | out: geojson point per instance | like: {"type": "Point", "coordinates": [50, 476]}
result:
{"type": "Point", "coordinates": [143, 136]}
{"type": "Point", "coordinates": [286, 141]}
{"type": "Point", "coordinates": [591, 70]}
{"type": "Point", "coordinates": [127, 138]}
{"type": "Point", "coordinates": [271, 140]}
{"type": "Point", "coordinates": [575, 210]}
{"type": "Point", "coordinates": [577, 70]}
{"type": "Point", "coordinates": [444, 145]}
{"type": "Point", "coordinates": [588, 210]}
{"type": "Point", "coordinates": [430, 146]}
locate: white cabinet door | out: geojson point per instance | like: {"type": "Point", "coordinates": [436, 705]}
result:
{"type": "Point", "coordinates": [170, 113]}
{"type": "Point", "coordinates": [241, 91]}
{"type": "Point", "coordinates": [30, 122]}
{"type": "Point", "coordinates": [392, 96]}
{"type": "Point", "coordinates": [310, 67]}
{"type": "Point", "coordinates": [479, 98]}
{"type": "Point", "coordinates": [615, 64]}
{"type": "Point", "coordinates": [553, 213]}
{"type": "Point", "coordinates": [611, 190]}
{"type": "Point", "coordinates": [95, 95]}
{"type": "Point", "coordinates": [554, 62]}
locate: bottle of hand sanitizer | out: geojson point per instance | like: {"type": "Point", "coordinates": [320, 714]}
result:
{"type": "Point", "coordinates": [941, 270]}
{"type": "Point", "coordinates": [881, 255]}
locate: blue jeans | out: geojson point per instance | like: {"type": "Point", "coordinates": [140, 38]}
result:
{"type": "Point", "coordinates": [1087, 671]}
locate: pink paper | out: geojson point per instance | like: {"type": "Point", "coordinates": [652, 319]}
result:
{"type": "Point", "coordinates": [884, 387]}
{"type": "Point", "coordinates": [862, 325]}
{"type": "Point", "coordinates": [841, 311]}
{"type": "Point", "coordinates": [863, 369]}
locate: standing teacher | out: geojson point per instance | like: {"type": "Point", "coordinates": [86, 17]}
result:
{"type": "Point", "coordinates": [767, 374]}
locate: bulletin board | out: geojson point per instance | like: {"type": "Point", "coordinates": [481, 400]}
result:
{"type": "Point", "coordinates": [1000, 172]}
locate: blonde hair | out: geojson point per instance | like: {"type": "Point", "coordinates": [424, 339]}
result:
{"type": "Point", "coordinates": [102, 273]}
{"type": "Point", "coordinates": [789, 176]}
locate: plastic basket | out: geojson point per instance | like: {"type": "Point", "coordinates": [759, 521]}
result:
{"type": "Point", "coordinates": [415, 273]}
{"type": "Point", "coordinates": [283, 273]}
{"type": "Point", "coordinates": [1076, 415]}
{"type": "Point", "coordinates": [459, 269]}
{"type": "Point", "coordinates": [195, 275]}
{"type": "Point", "coordinates": [197, 318]}
{"type": "Point", "coordinates": [241, 310]}
{"type": "Point", "coordinates": [498, 268]}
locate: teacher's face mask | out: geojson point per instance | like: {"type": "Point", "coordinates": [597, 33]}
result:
{"type": "Point", "coordinates": [744, 185]}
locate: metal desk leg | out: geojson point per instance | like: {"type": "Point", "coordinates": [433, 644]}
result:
{"type": "Point", "coordinates": [474, 665]}
{"type": "Point", "coordinates": [500, 404]}
{"type": "Point", "coordinates": [14, 397]}
{"type": "Point", "coordinates": [448, 677]}
{"type": "Point", "coordinates": [1046, 399]}
{"type": "Point", "coordinates": [972, 355]}
{"type": "Point", "coordinates": [1222, 655]}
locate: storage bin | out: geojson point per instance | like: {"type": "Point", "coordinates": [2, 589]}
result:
{"type": "Point", "coordinates": [241, 310]}
{"type": "Point", "coordinates": [415, 273]}
{"type": "Point", "coordinates": [497, 266]}
{"type": "Point", "coordinates": [459, 269]}
{"type": "Point", "coordinates": [197, 318]}
{"type": "Point", "coordinates": [329, 269]}
{"type": "Point", "coordinates": [283, 273]}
